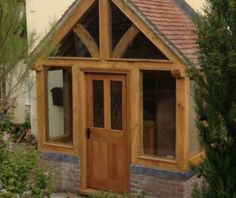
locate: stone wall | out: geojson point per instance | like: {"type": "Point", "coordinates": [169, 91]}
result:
{"type": "Point", "coordinates": [160, 183]}
{"type": "Point", "coordinates": [67, 172]}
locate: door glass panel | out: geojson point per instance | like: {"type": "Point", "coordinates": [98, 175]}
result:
{"type": "Point", "coordinates": [116, 105]}
{"type": "Point", "coordinates": [98, 103]}
{"type": "Point", "coordinates": [59, 99]}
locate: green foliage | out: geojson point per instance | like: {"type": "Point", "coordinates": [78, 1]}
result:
{"type": "Point", "coordinates": [13, 49]}
{"type": "Point", "coordinates": [215, 98]}
{"type": "Point", "coordinates": [21, 171]}
{"type": "Point", "coordinates": [16, 131]}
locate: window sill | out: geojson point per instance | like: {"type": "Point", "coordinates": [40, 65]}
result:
{"type": "Point", "coordinates": [60, 148]}
{"type": "Point", "coordinates": [162, 159]}
{"type": "Point", "coordinates": [197, 158]}
{"type": "Point", "coordinates": [155, 162]}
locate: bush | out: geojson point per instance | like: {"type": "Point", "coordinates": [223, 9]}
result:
{"type": "Point", "coordinates": [22, 174]}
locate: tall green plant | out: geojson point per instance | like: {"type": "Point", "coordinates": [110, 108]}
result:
{"type": "Point", "coordinates": [215, 98]}
{"type": "Point", "coordinates": [13, 50]}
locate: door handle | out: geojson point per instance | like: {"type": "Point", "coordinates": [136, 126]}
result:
{"type": "Point", "coordinates": [88, 132]}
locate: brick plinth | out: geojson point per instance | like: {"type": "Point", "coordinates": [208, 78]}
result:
{"type": "Point", "coordinates": [154, 182]}
{"type": "Point", "coordinates": [161, 184]}
{"type": "Point", "coordinates": [67, 172]}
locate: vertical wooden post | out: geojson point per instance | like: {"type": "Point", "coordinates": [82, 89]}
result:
{"type": "Point", "coordinates": [41, 107]}
{"type": "Point", "coordinates": [135, 114]}
{"type": "Point", "coordinates": [182, 123]}
{"type": "Point", "coordinates": [105, 28]}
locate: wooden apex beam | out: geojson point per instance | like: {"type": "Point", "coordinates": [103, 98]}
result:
{"type": "Point", "coordinates": [105, 24]}
{"type": "Point", "coordinates": [87, 40]}
{"type": "Point", "coordinates": [124, 42]}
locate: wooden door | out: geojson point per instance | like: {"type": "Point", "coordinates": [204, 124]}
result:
{"type": "Point", "coordinates": [107, 154]}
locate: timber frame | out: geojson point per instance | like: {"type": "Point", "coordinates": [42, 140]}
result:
{"type": "Point", "coordinates": [104, 60]}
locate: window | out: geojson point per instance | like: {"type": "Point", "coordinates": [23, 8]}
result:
{"type": "Point", "coordinates": [59, 105]}
{"type": "Point", "coordinates": [159, 111]}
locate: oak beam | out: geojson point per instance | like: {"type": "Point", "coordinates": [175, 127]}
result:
{"type": "Point", "coordinates": [105, 29]}
{"type": "Point", "coordinates": [87, 40]}
{"type": "Point", "coordinates": [125, 41]}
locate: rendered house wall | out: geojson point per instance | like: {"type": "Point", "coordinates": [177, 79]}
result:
{"type": "Point", "coordinates": [41, 14]}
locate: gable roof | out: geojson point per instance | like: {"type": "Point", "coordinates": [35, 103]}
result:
{"type": "Point", "coordinates": [166, 18]}
{"type": "Point", "coordinates": [172, 23]}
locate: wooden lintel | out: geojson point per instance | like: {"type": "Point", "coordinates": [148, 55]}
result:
{"type": "Point", "coordinates": [178, 73]}
{"type": "Point", "coordinates": [125, 41]}
{"type": "Point", "coordinates": [87, 40]}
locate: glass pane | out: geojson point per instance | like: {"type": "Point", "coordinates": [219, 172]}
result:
{"type": "Point", "coordinates": [59, 93]}
{"type": "Point", "coordinates": [98, 103]}
{"type": "Point", "coordinates": [72, 46]}
{"type": "Point", "coordinates": [159, 111]}
{"type": "Point", "coordinates": [194, 142]}
{"type": "Point", "coordinates": [120, 24]}
{"type": "Point", "coordinates": [91, 21]}
{"type": "Point", "coordinates": [116, 105]}
{"type": "Point", "coordinates": [142, 48]}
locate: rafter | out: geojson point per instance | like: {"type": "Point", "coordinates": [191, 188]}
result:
{"type": "Point", "coordinates": [87, 40]}
{"type": "Point", "coordinates": [125, 41]}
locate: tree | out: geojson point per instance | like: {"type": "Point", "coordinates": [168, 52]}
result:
{"type": "Point", "coordinates": [13, 52]}
{"type": "Point", "coordinates": [215, 98]}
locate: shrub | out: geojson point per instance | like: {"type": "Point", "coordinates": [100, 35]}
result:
{"type": "Point", "coordinates": [22, 173]}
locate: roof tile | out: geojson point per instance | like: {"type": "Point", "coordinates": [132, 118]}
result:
{"type": "Point", "coordinates": [173, 23]}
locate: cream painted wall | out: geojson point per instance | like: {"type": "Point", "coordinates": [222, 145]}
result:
{"type": "Point", "coordinates": [196, 4]}
{"type": "Point", "coordinates": [40, 16]}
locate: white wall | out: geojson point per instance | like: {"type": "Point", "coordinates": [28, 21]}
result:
{"type": "Point", "coordinates": [196, 4]}
{"type": "Point", "coordinates": [40, 16]}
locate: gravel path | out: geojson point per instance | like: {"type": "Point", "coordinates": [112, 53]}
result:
{"type": "Point", "coordinates": [66, 195]}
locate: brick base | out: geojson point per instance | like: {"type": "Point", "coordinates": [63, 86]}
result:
{"type": "Point", "coordinates": [67, 172]}
{"type": "Point", "coordinates": [161, 184]}
{"type": "Point", "coordinates": [154, 182]}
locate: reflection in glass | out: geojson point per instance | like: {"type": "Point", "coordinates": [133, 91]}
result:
{"type": "Point", "coordinates": [59, 102]}
{"type": "Point", "coordinates": [159, 101]}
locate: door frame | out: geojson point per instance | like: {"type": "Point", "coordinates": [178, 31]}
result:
{"type": "Point", "coordinates": [83, 143]}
